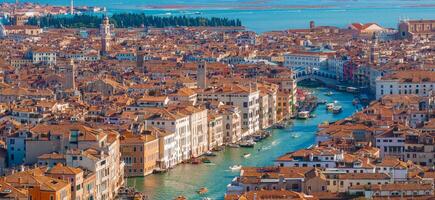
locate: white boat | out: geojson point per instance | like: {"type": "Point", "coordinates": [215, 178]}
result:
{"type": "Point", "coordinates": [246, 155]}
{"type": "Point", "coordinates": [329, 93]}
{"type": "Point", "coordinates": [352, 89]}
{"type": "Point", "coordinates": [236, 167]}
{"type": "Point", "coordinates": [337, 109]}
{"type": "Point", "coordinates": [294, 135]}
{"type": "Point", "coordinates": [304, 115]}
{"type": "Point", "coordinates": [330, 106]}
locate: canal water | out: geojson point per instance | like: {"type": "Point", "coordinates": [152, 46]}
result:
{"type": "Point", "coordinates": [186, 179]}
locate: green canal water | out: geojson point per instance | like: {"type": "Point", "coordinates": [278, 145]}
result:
{"type": "Point", "coordinates": [186, 179]}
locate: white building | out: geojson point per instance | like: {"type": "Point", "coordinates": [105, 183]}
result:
{"type": "Point", "coordinates": [305, 60]}
{"type": "Point", "coordinates": [316, 157]}
{"type": "Point", "coordinates": [43, 56]}
{"type": "Point", "coordinates": [173, 122]}
{"type": "Point", "coordinates": [245, 98]}
{"type": "Point", "coordinates": [406, 82]}
{"type": "Point", "coordinates": [391, 143]}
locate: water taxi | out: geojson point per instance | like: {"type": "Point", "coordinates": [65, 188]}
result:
{"type": "Point", "coordinates": [337, 109]}
{"type": "Point", "coordinates": [304, 115]}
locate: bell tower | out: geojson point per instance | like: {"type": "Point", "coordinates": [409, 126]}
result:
{"type": "Point", "coordinates": [105, 32]}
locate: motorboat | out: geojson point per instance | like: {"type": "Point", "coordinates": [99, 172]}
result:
{"type": "Point", "coordinates": [337, 109]}
{"type": "Point", "coordinates": [352, 89]}
{"type": "Point", "coordinates": [329, 93]}
{"type": "Point", "coordinates": [246, 155]}
{"type": "Point", "coordinates": [304, 115]}
{"type": "Point", "coordinates": [294, 135]}
{"type": "Point", "coordinates": [206, 160]}
{"type": "Point", "coordinates": [234, 145]}
{"type": "Point", "coordinates": [236, 167]}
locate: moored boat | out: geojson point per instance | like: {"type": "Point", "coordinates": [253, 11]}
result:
{"type": "Point", "coordinates": [209, 153]}
{"type": "Point", "coordinates": [206, 160]}
{"type": "Point", "coordinates": [304, 115]}
{"type": "Point", "coordinates": [248, 143]}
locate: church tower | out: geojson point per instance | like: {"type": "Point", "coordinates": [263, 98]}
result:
{"type": "Point", "coordinates": [140, 53]}
{"type": "Point", "coordinates": [374, 55]}
{"type": "Point", "coordinates": [70, 76]}
{"type": "Point", "coordinates": [201, 75]}
{"type": "Point", "coordinates": [105, 33]}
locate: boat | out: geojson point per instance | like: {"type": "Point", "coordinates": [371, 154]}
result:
{"type": "Point", "coordinates": [181, 198]}
{"type": "Point", "coordinates": [197, 13]}
{"type": "Point", "coordinates": [337, 109]}
{"type": "Point", "coordinates": [313, 116]}
{"type": "Point", "coordinates": [329, 106]}
{"type": "Point", "coordinates": [209, 153]}
{"type": "Point", "coordinates": [329, 93]}
{"type": "Point", "coordinates": [352, 89]}
{"type": "Point", "coordinates": [206, 160]}
{"type": "Point", "coordinates": [304, 115]}
{"type": "Point", "coordinates": [206, 198]}
{"type": "Point", "coordinates": [280, 126]}
{"type": "Point", "coordinates": [321, 101]}
{"type": "Point", "coordinates": [294, 136]}
{"type": "Point", "coordinates": [195, 161]}
{"type": "Point", "coordinates": [248, 143]}
{"type": "Point", "coordinates": [234, 145]}
{"type": "Point", "coordinates": [159, 171]}
{"type": "Point", "coordinates": [246, 155]}
{"type": "Point", "coordinates": [220, 148]}
{"type": "Point", "coordinates": [202, 190]}
{"type": "Point", "coordinates": [236, 167]}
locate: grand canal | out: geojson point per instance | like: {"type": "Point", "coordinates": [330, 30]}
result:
{"type": "Point", "coordinates": [186, 179]}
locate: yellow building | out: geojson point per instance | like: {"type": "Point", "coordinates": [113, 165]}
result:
{"type": "Point", "coordinates": [140, 153]}
{"type": "Point", "coordinates": [39, 186]}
